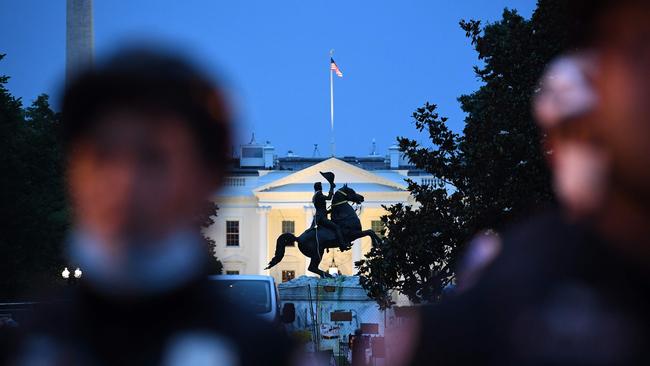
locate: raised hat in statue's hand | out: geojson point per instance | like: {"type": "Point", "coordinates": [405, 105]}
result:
{"type": "Point", "coordinates": [329, 176]}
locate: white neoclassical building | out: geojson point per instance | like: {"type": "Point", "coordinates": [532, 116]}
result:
{"type": "Point", "coordinates": [266, 196]}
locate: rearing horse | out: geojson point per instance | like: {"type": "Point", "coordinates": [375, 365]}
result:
{"type": "Point", "coordinates": [313, 242]}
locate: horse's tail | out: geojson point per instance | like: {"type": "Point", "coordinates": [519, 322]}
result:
{"type": "Point", "coordinates": [281, 243]}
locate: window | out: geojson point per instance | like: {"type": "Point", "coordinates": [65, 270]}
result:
{"type": "Point", "coordinates": [232, 233]}
{"type": "Point", "coordinates": [289, 226]}
{"type": "Point", "coordinates": [235, 182]}
{"type": "Point", "coordinates": [253, 294]}
{"type": "Point", "coordinates": [288, 275]}
{"type": "Point", "coordinates": [378, 227]}
{"type": "Point", "coordinates": [232, 272]}
{"type": "Point", "coordinates": [252, 152]}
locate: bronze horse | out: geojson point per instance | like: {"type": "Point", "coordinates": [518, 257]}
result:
{"type": "Point", "coordinates": [313, 242]}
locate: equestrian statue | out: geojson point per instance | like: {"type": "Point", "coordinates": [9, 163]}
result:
{"type": "Point", "coordinates": [324, 233]}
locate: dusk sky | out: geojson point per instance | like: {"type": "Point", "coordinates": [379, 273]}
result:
{"type": "Point", "coordinates": [272, 57]}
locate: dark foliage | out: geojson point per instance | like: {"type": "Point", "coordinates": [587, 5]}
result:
{"type": "Point", "coordinates": [487, 177]}
{"type": "Point", "coordinates": [34, 216]}
{"type": "Point", "coordinates": [205, 220]}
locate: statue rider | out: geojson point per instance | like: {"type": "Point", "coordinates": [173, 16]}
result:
{"type": "Point", "coordinates": [320, 203]}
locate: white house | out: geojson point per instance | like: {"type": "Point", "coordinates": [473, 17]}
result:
{"type": "Point", "coordinates": [266, 196]}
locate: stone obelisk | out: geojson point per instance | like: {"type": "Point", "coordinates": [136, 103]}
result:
{"type": "Point", "coordinates": [79, 36]}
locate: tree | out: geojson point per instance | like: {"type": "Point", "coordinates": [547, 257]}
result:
{"type": "Point", "coordinates": [416, 256]}
{"type": "Point", "coordinates": [34, 216]}
{"type": "Point", "coordinates": [487, 177]}
{"type": "Point", "coordinates": [205, 220]}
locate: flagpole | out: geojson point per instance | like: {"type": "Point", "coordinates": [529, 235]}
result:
{"type": "Point", "coordinates": [332, 145]}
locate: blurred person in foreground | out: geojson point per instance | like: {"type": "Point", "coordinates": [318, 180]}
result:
{"type": "Point", "coordinates": [572, 287]}
{"type": "Point", "coordinates": [147, 139]}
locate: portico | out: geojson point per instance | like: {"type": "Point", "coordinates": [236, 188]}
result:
{"type": "Point", "coordinates": [280, 201]}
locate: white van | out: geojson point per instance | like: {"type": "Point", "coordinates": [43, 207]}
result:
{"type": "Point", "coordinates": [256, 292]}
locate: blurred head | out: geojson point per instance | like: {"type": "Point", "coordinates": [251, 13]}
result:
{"type": "Point", "coordinates": [318, 186]}
{"type": "Point", "coordinates": [622, 116]}
{"type": "Point", "coordinates": [147, 139]}
{"type": "Point", "coordinates": [593, 107]}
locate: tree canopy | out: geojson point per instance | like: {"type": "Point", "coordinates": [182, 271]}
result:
{"type": "Point", "coordinates": [34, 216]}
{"type": "Point", "coordinates": [205, 219]}
{"type": "Point", "coordinates": [486, 177]}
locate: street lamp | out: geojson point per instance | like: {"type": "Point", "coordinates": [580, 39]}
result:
{"type": "Point", "coordinates": [66, 274]}
{"type": "Point", "coordinates": [333, 270]}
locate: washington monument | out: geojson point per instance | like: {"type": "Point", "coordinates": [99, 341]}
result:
{"type": "Point", "coordinates": [79, 36]}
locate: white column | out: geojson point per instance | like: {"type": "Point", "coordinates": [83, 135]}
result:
{"type": "Point", "coordinates": [309, 216]}
{"type": "Point", "coordinates": [356, 251]}
{"type": "Point", "coordinates": [263, 212]}
{"type": "Point", "coordinates": [356, 246]}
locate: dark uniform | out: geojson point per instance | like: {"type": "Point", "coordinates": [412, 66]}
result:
{"type": "Point", "coordinates": [320, 203]}
{"type": "Point", "coordinates": [191, 325]}
{"type": "Point", "coordinates": [558, 295]}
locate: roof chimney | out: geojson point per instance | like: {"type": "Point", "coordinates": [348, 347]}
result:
{"type": "Point", "coordinates": [393, 156]}
{"type": "Point", "coordinates": [269, 155]}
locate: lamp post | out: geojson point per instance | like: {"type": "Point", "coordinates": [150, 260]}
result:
{"type": "Point", "coordinates": [333, 270]}
{"type": "Point", "coordinates": [75, 275]}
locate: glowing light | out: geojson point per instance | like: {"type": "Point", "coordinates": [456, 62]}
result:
{"type": "Point", "coordinates": [333, 270]}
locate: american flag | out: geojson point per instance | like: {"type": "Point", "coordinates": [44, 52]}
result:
{"type": "Point", "coordinates": [335, 67]}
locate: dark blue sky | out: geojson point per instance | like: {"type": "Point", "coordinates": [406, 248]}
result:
{"type": "Point", "coordinates": [273, 58]}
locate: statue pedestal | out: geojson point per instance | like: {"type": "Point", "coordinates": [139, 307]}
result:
{"type": "Point", "coordinates": [332, 309]}
{"type": "Point", "coordinates": [340, 288]}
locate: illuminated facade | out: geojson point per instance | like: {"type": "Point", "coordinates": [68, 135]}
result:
{"type": "Point", "coordinates": [266, 196]}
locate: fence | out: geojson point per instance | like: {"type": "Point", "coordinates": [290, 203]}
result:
{"type": "Point", "coordinates": [338, 316]}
